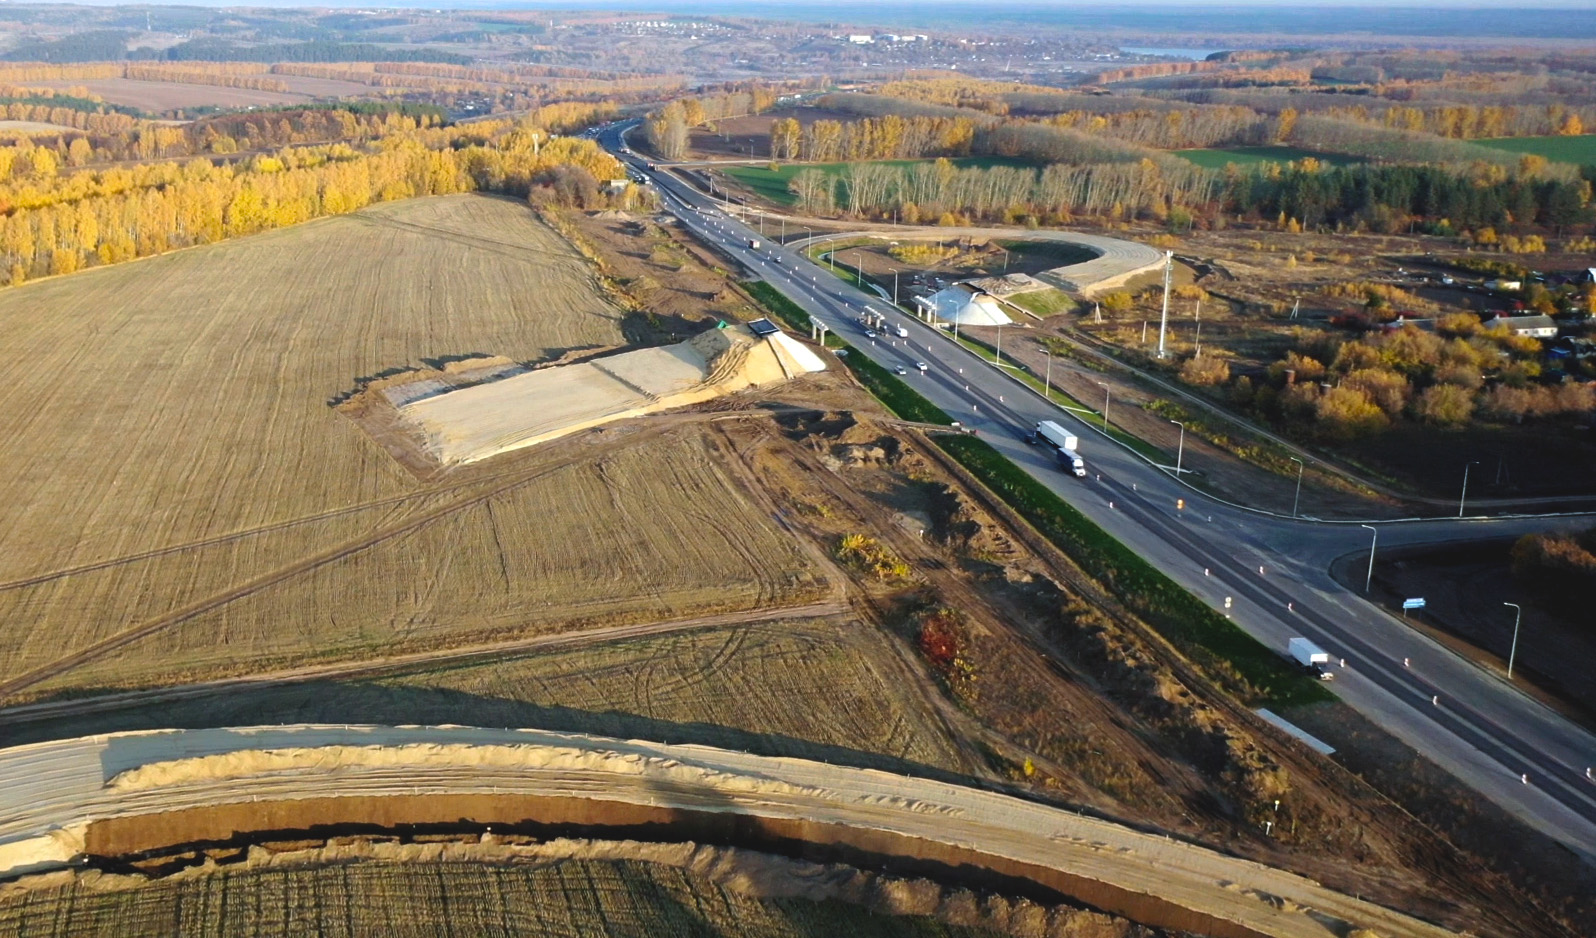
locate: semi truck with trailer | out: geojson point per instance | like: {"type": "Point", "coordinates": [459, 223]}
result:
{"type": "Point", "coordinates": [1313, 658]}
{"type": "Point", "coordinates": [1064, 443]}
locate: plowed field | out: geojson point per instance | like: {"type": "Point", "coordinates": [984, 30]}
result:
{"type": "Point", "coordinates": [178, 497]}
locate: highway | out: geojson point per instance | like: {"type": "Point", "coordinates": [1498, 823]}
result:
{"type": "Point", "coordinates": [1274, 570]}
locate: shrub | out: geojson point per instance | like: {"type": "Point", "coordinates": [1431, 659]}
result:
{"type": "Point", "coordinates": [1118, 301]}
{"type": "Point", "coordinates": [863, 552]}
{"type": "Point", "coordinates": [1345, 413]}
{"type": "Point", "coordinates": [1387, 390]}
{"type": "Point", "coordinates": [1445, 405]}
{"type": "Point", "coordinates": [922, 254]}
{"type": "Point", "coordinates": [1205, 371]}
{"type": "Point", "coordinates": [1458, 324]}
{"type": "Point", "coordinates": [1306, 369]}
{"type": "Point", "coordinates": [1562, 569]}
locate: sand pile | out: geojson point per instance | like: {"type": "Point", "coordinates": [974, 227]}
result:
{"type": "Point", "coordinates": [467, 424]}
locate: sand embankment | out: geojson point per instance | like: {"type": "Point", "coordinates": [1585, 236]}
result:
{"type": "Point", "coordinates": [144, 791]}
{"type": "Point", "coordinates": [468, 424]}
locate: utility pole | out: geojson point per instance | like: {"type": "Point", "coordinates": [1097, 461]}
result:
{"type": "Point", "coordinates": [1180, 452]}
{"type": "Point", "coordinates": [1513, 652]}
{"type": "Point", "coordinates": [1464, 496]}
{"type": "Point", "coordinates": [1163, 319]}
{"type": "Point", "coordinates": [1105, 405]}
{"type": "Point", "coordinates": [1298, 499]}
{"type": "Point", "coordinates": [1047, 377]}
{"type": "Point", "coordinates": [1369, 577]}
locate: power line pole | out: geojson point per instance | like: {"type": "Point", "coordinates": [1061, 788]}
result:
{"type": "Point", "coordinates": [1163, 320]}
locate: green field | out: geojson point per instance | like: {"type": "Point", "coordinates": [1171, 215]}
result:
{"type": "Point", "coordinates": [1049, 302]}
{"type": "Point", "coordinates": [1219, 158]}
{"type": "Point", "coordinates": [772, 184]}
{"type": "Point", "coordinates": [1580, 150]}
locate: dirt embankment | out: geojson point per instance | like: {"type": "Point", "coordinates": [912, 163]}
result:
{"type": "Point", "coordinates": [782, 884]}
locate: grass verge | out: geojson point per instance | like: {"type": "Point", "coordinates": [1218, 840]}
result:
{"type": "Point", "coordinates": [1238, 661]}
{"type": "Point", "coordinates": [1204, 635]}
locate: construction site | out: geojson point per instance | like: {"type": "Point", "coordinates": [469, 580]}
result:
{"type": "Point", "coordinates": [667, 607]}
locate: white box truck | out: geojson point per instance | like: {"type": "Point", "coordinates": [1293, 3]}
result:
{"type": "Point", "coordinates": [753, 243]}
{"type": "Point", "coordinates": [1064, 442]}
{"type": "Point", "coordinates": [1311, 656]}
{"type": "Point", "coordinates": [900, 330]}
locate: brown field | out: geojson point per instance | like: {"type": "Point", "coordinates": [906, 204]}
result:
{"type": "Point", "coordinates": [735, 137]}
{"type": "Point", "coordinates": [327, 87]}
{"type": "Point", "coordinates": [12, 129]}
{"type": "Point", "coordinates": [167, 95]}
{"type": "Point", "coordinates": [834, 688]}
{"type": "Point", "coordinates": [596, 897]}
{"type": "Point", "coordinates": [179, 498]}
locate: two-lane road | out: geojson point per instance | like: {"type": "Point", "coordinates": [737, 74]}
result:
{"type": "Point", "coordinates": [1512, 749]}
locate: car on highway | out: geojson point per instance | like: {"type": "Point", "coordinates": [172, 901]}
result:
{"type": "Point", "coordinates": [922, 366]}
{"type": "Point", "coordinates": [901, 370]}
{"type": "Point", "coordinates": [870, 334]}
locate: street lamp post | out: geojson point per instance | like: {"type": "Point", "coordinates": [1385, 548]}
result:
{"type": "Point", "coordinates": [1464, 496]}
{"type": "Point", "coordinates": [1298, 498]}
{"type": "Point", "coordinates": [784, 229]}
{"type": "Point", "coordinates": [1180, 451]}
{"type": "Point", "coordinates": [998, 357]}
{"type": "Point", "coordinates": [1105, 405]}
{"type": "Point", "coordinates": [1369, 577]}
{"type": "Point", "coordinates": [858, 257]}
{"type": "Point", "coordinates": [1047, 377]}
{"type": "Point", "coordinates": [894, 285]}
{"type": "Point", "coordinates": [1512, 653]}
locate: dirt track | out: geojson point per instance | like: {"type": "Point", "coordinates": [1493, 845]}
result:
{"type": "Point", "coordinates": [80, 795]}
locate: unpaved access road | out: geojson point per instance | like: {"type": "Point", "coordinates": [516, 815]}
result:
{"type": "Point", "coordinates": [64, 797]}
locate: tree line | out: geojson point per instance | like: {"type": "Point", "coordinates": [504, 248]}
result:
{"type": "Point", "coordinates": [940, 192]}
{"type": "Point", "coordinates": [58, 224]}
{"type": "Point", "coordinates": [1342, 388]}
{"type": "Point", "coordinates": [667, 128]}
{"type": "Point", "coordinates": [115, 138]}
{"type": "Point", "coordinates": [1395, 198]}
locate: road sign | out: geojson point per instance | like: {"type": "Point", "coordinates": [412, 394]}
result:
{"type": "Point", "coordinates": [1413, 603]}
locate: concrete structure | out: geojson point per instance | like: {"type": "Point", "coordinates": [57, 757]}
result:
{"type": "Point", "coordinates": [965, 305]}
{"type": "Point", "coordinates": [1536, 327]}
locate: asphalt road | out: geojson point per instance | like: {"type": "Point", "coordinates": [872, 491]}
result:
{"type": "Point", "coordinates": [1275, 571]}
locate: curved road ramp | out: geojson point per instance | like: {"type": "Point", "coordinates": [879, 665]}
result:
{"type": "Point", "coordinates": [127, 793]}
{"type": "Point", "coordinates": [1117, 262]}
{"type": "Point", "coordinates": [467, 424]}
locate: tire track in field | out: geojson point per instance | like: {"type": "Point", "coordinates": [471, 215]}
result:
{"type": "Point", "coordinates": [256, 584]}
{"type": "Point", "coordinates": [658, 425]}
{"type": "Point", "coordinates": [418, 662]}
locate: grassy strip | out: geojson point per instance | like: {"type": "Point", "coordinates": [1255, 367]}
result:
{"type": "Point", "coordinates": [901, 399]}
{"type": "Point", "coordinates": [776, 302]}
{"type": "Point", "coordinates": [1236, 659]}
{"type": "Point", "coordinates": [1243, 664]}
{"type": "Point", "coordinates": [1019, 370]}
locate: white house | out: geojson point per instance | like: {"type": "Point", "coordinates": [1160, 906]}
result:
{"type": "Point", "coordinates": [1536, 327]}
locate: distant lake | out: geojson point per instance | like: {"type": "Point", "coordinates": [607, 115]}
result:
{"type": "Point", "coordinates": [1196, 55]}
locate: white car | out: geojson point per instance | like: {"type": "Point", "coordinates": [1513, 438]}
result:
{"type": "Point", "coordinates": [922, 366]}
{"type": "Point", "coordinates": [901, 370]}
